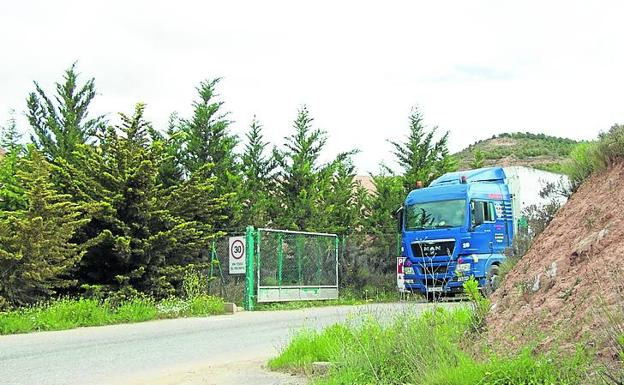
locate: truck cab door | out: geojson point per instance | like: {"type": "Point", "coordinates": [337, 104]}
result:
{"type": "Point", "coordinates": [482, 227]}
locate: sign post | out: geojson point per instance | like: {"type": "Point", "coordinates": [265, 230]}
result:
{"type": "Point", "coordinates": [249, 268]}
{"type": "Point", "coordinates": [237, 255]}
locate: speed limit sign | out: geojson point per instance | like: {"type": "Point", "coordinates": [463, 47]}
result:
{"type": "Point", "coordinates": [237, 255]}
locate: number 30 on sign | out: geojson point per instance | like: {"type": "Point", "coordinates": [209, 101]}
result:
{"type": "Point", "coordinates": [237, 255]}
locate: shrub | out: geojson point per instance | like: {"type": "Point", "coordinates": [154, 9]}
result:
{"type": "Point", "coordinates": [481, 304]}
{"type": "Point", "coordinates": [581, 163]}
{"type": "Point", "coordinates": [610, 148]}
{"type": "Point", "coordinates": [590, 157]}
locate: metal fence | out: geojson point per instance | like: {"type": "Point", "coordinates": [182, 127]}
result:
{"type": "Point", "coordinates": [294, 266]}
{"type": "Point", "coordinates": [285, 265]}
{"type": "Point", "coordinates": [220, 282]}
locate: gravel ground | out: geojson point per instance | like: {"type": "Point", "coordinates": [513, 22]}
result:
{"type": "Point", "coordinates": [228, 349]}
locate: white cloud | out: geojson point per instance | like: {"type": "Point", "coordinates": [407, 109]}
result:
{"type": "Point", "coordinates": [475, 68]}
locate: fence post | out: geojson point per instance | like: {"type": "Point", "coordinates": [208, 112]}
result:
{"type": "Point", "coordinates": [336, 246]}
{"type": "Point", "coordinates": [249, 271]}
{"type": "Point", "coordinates": [280, 258]}
{"type": "Point", "coordinates": [212, 258]}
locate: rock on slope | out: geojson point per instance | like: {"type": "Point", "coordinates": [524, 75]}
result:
{"type": "Point", "coordinates": [562, 290]}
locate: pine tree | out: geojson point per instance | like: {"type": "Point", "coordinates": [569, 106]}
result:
{"type": "Point", "coordinates": [60, 127]}
{"type": "Point", "coordinates": [421, 157]}
{"type": "Point", "coordinates": [36, 248]}
{"type": "Point", "coordinates": [257, 171]}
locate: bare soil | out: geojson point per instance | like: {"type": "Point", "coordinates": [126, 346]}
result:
{"type": "Point", "coordinates": [567, 290]}
{"type": "Point", "coordinates": [234, 373]}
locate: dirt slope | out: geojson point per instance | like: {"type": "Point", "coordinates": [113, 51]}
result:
{"type": "Point", "coordinates": [561, 291]}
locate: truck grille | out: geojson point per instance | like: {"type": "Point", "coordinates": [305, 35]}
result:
{"type": "Point", "coordinates": [429, 269]}
{"type": "Point", "coordinates": [433, 248]}
{"type": "Point", "coordinates": [431, 282]}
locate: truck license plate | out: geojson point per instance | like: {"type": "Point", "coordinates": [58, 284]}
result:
{"type": "Point", "coordinates": [435, 288]}
{"type": "Point", "coordinates": [463, 267]}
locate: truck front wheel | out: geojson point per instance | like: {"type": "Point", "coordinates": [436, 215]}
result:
{"type": "Point", "coordinates": [491, 280]}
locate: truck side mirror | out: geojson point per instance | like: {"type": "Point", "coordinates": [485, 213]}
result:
{"type": "Point", "coordinates": [398, 214]}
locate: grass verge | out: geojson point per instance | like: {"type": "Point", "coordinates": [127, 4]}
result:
{"type": "Point", "coordinates": [72, 313]}
{"type": "Point", "coordinates": [432, 348]}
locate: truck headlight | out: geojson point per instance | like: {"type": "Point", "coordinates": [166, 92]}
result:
{"type": "Point", "coordinates": [408, 270]}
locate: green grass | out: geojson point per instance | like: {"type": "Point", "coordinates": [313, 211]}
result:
{"type": "Point", "coordinates": [72, 313]}
{"type": "Point", "coordinates": [431, 349]}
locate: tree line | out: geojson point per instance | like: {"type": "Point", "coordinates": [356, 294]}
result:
{"type": "Point", "coordinates": [87, 204]}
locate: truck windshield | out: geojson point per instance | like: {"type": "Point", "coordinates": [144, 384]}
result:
{"type": "Point", "coordinates": [435, 215]}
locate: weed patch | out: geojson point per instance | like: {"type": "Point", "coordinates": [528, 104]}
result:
{"type": "Point", "coordinates": [69, 313]}
{"type": "Point", "coordinates": [430, 348]}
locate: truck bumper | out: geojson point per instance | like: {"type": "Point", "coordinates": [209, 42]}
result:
{"type": "Point", "coordinates": [448, 283]}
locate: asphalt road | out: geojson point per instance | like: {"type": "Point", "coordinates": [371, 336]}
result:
{"type": "Point", "coordinates": [212, 350]}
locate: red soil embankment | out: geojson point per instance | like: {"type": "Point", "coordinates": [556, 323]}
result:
{"type": "Point", "coordinates": [563, 289]}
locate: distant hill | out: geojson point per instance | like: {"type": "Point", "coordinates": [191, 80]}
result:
{"type": "Point", "coordinates": [519, 149]}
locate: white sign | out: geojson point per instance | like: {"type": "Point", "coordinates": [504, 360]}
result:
{"type": "Point", "coordinates": [400, 274]}
{"type": "Point", "coordinates": [238, 263]}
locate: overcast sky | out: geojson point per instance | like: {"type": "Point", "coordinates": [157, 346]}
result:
{"type": "Point", "coordinates": [475, 68]}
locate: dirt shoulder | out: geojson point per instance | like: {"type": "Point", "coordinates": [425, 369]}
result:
{"type": "Point", "coordinates": [234, 373]}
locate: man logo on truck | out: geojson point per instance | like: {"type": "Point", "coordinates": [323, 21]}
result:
{"type": "Point", "coordinates": [431, 250]}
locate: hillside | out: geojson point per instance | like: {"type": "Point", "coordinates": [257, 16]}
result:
{"type": "Point", "coordinates": [568, 288]}
{"type": "Point", "coordinates": [519, 149]}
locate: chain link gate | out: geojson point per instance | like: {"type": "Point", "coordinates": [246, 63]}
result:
{"type": "Point", "coordinates": [290, 266]}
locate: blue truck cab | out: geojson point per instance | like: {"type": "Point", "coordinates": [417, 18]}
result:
{"type": "Point", "coordinates": [459, 226]}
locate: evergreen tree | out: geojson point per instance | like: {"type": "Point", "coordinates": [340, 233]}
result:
{"type": "Point", "coordinates": [11, 192]}
{"type": "Point", "coordinates": [421, 157]}
{"type": "Point", "coordinates": [10, 137]}
{"type": "Point", "coordinates": [36, 248]}
{"type": "Point", "coordinates": [300, 180]}
{"type": "Point", "coordinates": [382, 205]}
{"type": "Point", "coordinates": [478, 160]}
{"type": "Point", "coordinates": [344, 200]}
{"type": "Point", "coordinates": [368, 256]}
{"type": "Point", "coordinates": [171, 169]}
{"type": "Point", "coordinates": [207, 140]}
{"type": "Point", "coordinates": [141, 226]}
{"type": "Point", "coordinates": [257, 171]}
{"type": "Point", "coordinates": [59, 127]}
